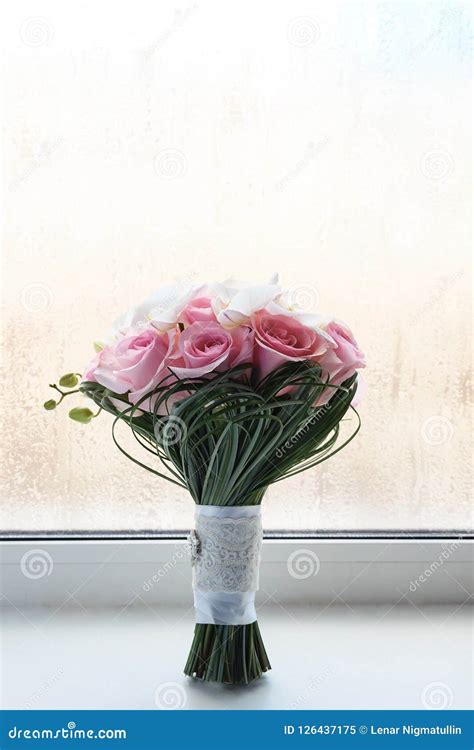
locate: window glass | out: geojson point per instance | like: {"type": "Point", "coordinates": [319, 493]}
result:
{"type": "Point", "coordinates": [238, 139]}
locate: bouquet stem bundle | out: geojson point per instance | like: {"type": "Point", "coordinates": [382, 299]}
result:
{"type": "Point", "coordinates": [227, 653]}
{"type": "Point", "coordinates": [225, 440]}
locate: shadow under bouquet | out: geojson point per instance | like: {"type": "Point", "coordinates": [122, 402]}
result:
{"type": "Point", "coordinates": [227, 388]}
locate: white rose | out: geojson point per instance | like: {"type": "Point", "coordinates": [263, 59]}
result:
{"type": "Point", "coordinates": [161, 309]}
{"type": "Point", "coordinates": [235, 301]}
{"type": "Point", "coordinates": [284, 305]}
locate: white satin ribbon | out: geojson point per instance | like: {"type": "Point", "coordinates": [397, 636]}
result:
{"type": "Point", "coordinates": [226, 555]}
{"type": "Point", "coordinates": [223, 608]}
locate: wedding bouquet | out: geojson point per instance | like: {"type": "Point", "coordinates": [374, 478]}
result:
{"type": "Point", "coordinates": [227, 388]}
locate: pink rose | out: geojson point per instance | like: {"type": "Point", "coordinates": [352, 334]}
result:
{"type": "Point", "coordinates": [206, 347]}
{"type": "Point", "coordinates": [199, 308]}
{"type": "Point", "coordinates": [281, 338]}
{"type": "Point", "coordinates": [134, 364]}
{"type": "Point", "coordinates": [340, 362]}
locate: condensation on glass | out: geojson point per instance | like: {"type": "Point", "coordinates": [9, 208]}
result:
{"type": "Point", "coordinates": [341, 161]}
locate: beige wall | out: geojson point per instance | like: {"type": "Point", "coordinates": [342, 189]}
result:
{"type": "Point", "coordinates": [142, 146]}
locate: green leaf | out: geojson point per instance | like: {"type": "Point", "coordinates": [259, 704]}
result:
{"type": "Point", "coordinates": [81, 414]}
{"type": "Point", "coordinates": [50, 405]}
{"type": "Point", "coordinates": [69, 381]}
{"type": "Point", "coordinates": [238, 435]}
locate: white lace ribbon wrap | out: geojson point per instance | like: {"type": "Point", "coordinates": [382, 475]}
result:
{"type": "Point", "coordinates": [225, 550]}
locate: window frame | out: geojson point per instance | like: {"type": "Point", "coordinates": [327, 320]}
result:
{"type": "Point", "coordinates": [112, 572]}
{"type": "Point", "coordinates": [179, 534]}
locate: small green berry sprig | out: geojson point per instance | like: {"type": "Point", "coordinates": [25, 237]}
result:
{"type": "Point", "coordinates": [69, 381]}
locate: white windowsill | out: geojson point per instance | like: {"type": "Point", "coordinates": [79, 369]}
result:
{"type": "Point", "coordinates": [92, 634]}
{"type": "Point", "coordinates": [339, 657]}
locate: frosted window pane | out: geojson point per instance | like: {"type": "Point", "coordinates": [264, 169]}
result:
{"type": "Point", "coordinates": [234, 145]}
